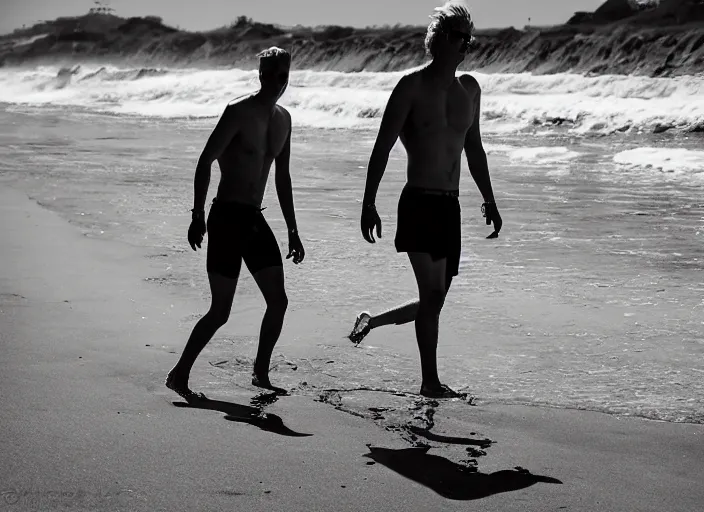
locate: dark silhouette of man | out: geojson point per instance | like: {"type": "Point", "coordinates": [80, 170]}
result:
{"type": "Point", "coordinates": [436, 115]}
{"type": "Point", "coordinates": [252, 133]}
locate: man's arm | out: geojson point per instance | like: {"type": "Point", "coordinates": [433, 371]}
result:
{"type": "Point", "coordinates": [473, 148]}
{"type": "Point", "coordinates": [223, 133]}
{"type": "Point", "coordinates": [395, 114]}
{"type": "Point", "coordinates": [282, 178]}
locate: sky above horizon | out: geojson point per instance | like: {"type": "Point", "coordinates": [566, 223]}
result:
{"type": "Point", "coordinates": [209, 14]}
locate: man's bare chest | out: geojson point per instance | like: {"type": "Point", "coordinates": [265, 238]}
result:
{"type": "Point", "coordinates": [259, 139]}
{"type": "Point", "coordinates": [447, 112]}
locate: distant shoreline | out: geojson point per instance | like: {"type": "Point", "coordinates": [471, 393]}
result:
{"type": "Point", "coordinates": [584, 46]}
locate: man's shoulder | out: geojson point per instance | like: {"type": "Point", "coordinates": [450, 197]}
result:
{"type": "Point", "coordinates": [411, 79]}
{"type": "Point", "coordinates": [240, 102]}
{"type": "Point", "coordinates": [469, 82]}
{"type": "Point", "coordinates": [283, 111]}
{"type": "Point", "coordinates": [408, 83]}
{"type": "Point", "coordinates": [284, 117]}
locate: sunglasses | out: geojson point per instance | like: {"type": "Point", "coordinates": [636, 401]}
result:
{"type": "Point", "coordinates": [455, 35]}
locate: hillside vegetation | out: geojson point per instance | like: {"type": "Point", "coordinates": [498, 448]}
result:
{"type": "Point", "coordinates": [617, 38]}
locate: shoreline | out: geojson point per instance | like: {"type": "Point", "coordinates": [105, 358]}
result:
{"type": "Point", "coordinates": [77, 317]}
{"type": "Point", "coordinates": [510, 371]}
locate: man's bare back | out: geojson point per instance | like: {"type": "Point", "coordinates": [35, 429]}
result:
{"type": "Point", "coordinates": [435, 129]}
{"type": "Point", "coordinates": [246, 161]}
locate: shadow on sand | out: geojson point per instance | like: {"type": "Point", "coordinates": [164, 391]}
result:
{"type": "Point", "coordinates": [245, 414]}
{"type": "Point", "coordinates": [424, 432]}
{"type": "Point", "coordinates": [451, 480]}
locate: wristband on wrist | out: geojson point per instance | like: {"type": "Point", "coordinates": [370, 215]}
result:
{"type": "Point", "coordinates": [487, 204]}
{"type": "Point", "coordinates": [197, 214]}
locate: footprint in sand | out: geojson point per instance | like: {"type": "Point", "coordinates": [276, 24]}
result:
{"type": "Point", "coordinates": [424, 412]}
{"type": "Point", "coordinates": [263, 399]}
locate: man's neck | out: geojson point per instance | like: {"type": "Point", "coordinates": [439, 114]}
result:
{"type": "Point", "coordinates": [443, 72]}
{"type": "Point", "coordinates": [266, 100]}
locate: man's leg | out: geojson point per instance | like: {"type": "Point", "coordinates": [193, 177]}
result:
{"type": "Point", "coordinates": [430, 277]}
{"type": "Point", "coordinates": [271, 283]}
{"type": "Point", "coordinates": [223, 292]}
{"type": "Point", "coordinates": [432, 290]}
{"type": "Point", "coordinates": [397, 315]}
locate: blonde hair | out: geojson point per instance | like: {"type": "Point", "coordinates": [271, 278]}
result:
{"type": "Point", "coordinates": [443, 18]}
{"type": "Point", "coordinates": [274, 55]}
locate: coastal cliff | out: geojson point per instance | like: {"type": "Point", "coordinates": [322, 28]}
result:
{"type": "Point", "coordinates": [667, 40]}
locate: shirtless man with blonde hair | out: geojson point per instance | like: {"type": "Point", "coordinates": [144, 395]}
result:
{"type": "Point", "coordinates": [252, 133]}
{"type": "Point", "coordinates": [436, 115]}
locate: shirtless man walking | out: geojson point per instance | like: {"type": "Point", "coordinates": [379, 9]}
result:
{"type": "Point", "coordinates": [251, 134]}
{"type": "Point", "coordinates": [436, 115]}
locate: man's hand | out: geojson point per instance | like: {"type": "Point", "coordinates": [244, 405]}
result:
{"type": "Point", "coordinates": [295, 248]}
{"type": "Point", "coordinates": [196, 232]}
{"type": "Point", "coordinates": [370, 219]}
{"type": "Point", "coordinates": [491, 212]}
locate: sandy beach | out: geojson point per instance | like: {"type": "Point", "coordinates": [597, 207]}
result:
{"type": "Point", "coordinates": [603, 258]}
{"type": "Point", "coordinates": [576, 337]}
{"type": "Point", "coordinates": [89, 425]}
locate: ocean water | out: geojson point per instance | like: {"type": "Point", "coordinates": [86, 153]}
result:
{"type": "Point", "coordinates": [595, 104]}
{"type": "Point", "coordinates": [592, 297]}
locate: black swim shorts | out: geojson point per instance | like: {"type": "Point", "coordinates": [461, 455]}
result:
{"type": "Point", "coordinates": [239, 232]}
{"type": "Point", "coordinates": [429, 221]}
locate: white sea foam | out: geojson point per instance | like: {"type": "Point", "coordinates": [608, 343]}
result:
{"type": "Point", "coordinates": [543, 154]}
{"type": "Point", "coordinates": [490, 148]}
{"type": "Point", "coordinates": [663, 161]}
{"type": "Point", "coordinates": [511, 102]}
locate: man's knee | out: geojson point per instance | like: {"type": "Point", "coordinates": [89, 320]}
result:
{"type": "Point", "coordinates": [219, 315]}
{"type": "Point", "coordinates": [433, 299]}
{"type": "Point", "coordinates": [277, 301]}
{"type": "Point", "coordinates": [219, 312]}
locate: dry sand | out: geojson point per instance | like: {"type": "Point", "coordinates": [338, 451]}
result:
{"type": "Point", "coordinates": [88, 424]}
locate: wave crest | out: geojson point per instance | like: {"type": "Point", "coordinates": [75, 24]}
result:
{"type": "Point", "coordinates": [607, 103]}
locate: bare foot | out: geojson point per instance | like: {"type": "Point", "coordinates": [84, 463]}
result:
{"type": "Point", "coordinates": [361, 328]}
{"type": "Point", "coordinates": [180, 387]}
{"type": "Point", "coordinates": [440, 391]}
{"type": "Point", "coordinates": [262, 381]}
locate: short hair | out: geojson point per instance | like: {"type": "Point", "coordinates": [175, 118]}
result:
{"type": "Point", "coordinates": [274, 55]}
{"type": "Point", "coordinates": [443, 18]}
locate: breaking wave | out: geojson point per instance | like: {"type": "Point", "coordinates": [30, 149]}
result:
{"type": "Point", "coordinates": [330, 99]}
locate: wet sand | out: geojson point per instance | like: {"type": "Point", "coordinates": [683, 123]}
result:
{"type": "Point", "coordinates": [604, 260]}
{"type": "Point", "coordinates": [87, 422]}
